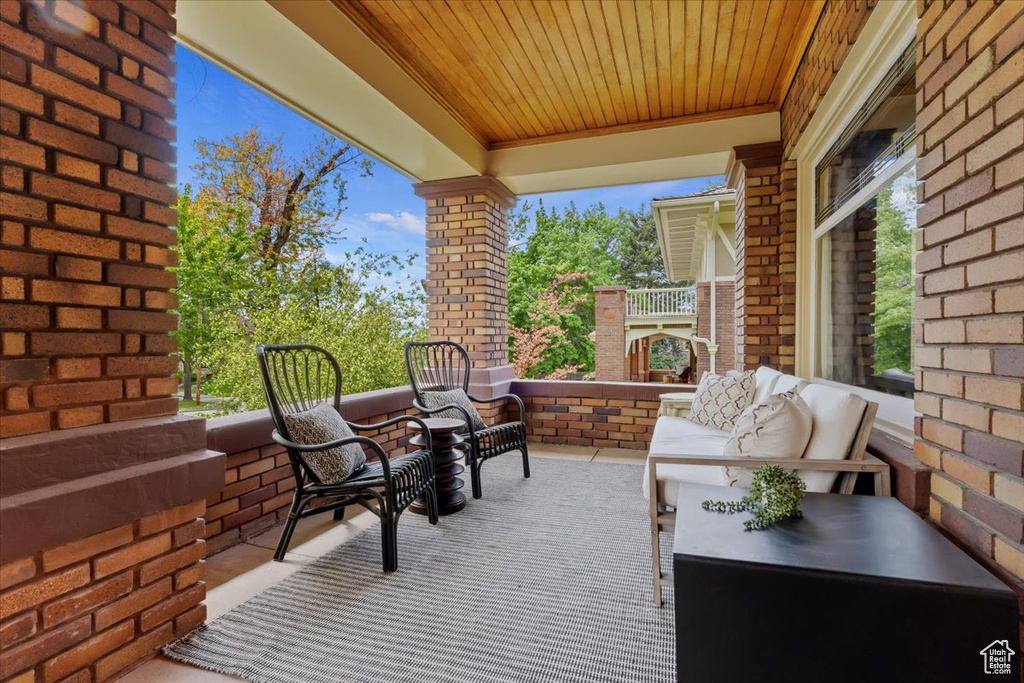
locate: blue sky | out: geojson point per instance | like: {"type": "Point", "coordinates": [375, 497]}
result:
{"type": "Point", "coordinates": [381, 208]}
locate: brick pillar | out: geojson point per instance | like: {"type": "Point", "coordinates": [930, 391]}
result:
{"type": "Point", "coordinates": [103, 486]}
{"type": "Point", "coordinates": [467, 275]}
{"type": "Point", "coordinates": [610, 334]}
{"type": "Point", "coordinates": [725, 359]}
{"type": "Point", "coordinates": [765, 289]}
{"type": "Point", "coordinates": [969, 323]}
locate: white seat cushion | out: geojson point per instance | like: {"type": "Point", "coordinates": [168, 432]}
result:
{"type": "Point", "coordinates": [778, 428]}
{"type": "Point", "coordinates": [837, 416]}
{"type": "Point", "coordinates": [786, 382]}
{"type": "Point", "coordinates": [679, 436]}
{"type": "Point", "coordinates": [765, 379]}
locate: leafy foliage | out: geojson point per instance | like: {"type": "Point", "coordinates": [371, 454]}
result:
{"type": "Point", "coordinates": [894, 285]}
{"type": "Point", "coordinates": [252, 269]}
{"type": "Point", "coordinates": [775, 494]}
{"type": "Point", "coordinates": [553, 270]}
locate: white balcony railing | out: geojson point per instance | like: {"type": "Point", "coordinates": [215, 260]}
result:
{"type": "Point", "coordinates": [661, 303]}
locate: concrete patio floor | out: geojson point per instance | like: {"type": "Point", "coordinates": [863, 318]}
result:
{"type": "Point", "coordinates": [238, 573]}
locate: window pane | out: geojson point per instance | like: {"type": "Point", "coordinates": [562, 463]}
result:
{"type": "Point", "coordinates": [866, 290]}
{"type": "Point", "coordinates": [878, 136]}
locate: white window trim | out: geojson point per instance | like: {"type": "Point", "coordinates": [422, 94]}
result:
{"type": "Point", "coordinates": [885, 36]}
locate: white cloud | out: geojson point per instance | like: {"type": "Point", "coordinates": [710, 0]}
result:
{"type": "Point", "coordinates": [402, 220]}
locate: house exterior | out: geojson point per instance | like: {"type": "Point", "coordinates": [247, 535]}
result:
{"type": "Point", "coordinates": [110, 500]}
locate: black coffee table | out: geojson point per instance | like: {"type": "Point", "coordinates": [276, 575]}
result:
{"type": "Point", "coordinates": [859, 589]}
{"type": "Point", "coordinates": [447, 450]}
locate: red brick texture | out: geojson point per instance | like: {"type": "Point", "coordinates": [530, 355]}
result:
{"type": "Point", "coordinates": [834, 35]}
{"type": "Point", "coordinates": [599, 422]}
{"type": "Point", "coordinates": [467, 272]}
{"type": "Point", "coordinates": [88, 610]}
{"type": "Point", "coordinates": [610, 361]}
{"type": "Point", "coordinates": [725, 305]}
{"type": "Point", "coordinates": [88, 149]}
{"type": "Point", "coordinates": [765, 290]}
{"type": "Point", "coordinates": [970, 327]}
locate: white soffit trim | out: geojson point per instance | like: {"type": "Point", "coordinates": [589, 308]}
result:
{"type": "Point", "coordinates": [282, 57]}
{"type": "Point", "coordinates": [681, 224]}
{"type": "Point", "coordinates": [672, 152]}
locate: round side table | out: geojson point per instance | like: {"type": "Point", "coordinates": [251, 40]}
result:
{"type": "Point", "coordinates": [447, 453]}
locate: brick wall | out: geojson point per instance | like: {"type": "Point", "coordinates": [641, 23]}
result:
{"type": "Point", "coordinates": [599, 414]}
{"type": "Point", "coordinates": [970, 268]}
{"type": "Point", "coordinates": [89, 609]}
{"type": "Point", "coordinates": [610, 334]}
{"type": "Point", "coordinates": [725, 303]}
{"type": "Point", "coordinates": [467, 275]}
{"type": "Point", "coordinates": [87, 180]}
{"type": "Point", "coordinates": [835, 34]}
{"type": "Point", "coordinates": [598, 422]}
{"type": "Point", "coordinates": [765, 288]}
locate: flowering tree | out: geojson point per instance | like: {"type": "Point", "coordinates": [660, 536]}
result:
{"type": "Point", "coordinates": [539, 347]}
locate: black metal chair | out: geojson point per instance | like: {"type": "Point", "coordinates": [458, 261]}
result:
{"type": "Point", "coordinates": [298, 377]}
{"type": "Point", "coordinates": [444, 366]}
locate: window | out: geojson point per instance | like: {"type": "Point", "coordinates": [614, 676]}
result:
{"type": "Point", "coordinates": [865, 217]}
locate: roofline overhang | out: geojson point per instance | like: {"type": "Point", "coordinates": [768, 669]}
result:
{"type": "Point", "coordinates": [374, 104]}
{"type": "Point", "coordinates": [696, 207]}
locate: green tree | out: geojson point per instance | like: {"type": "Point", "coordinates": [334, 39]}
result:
{"type": "Point", "coordinates": [641, 264]}
{"type": "Point", "coordinates": [894, 286]}
{"type": "Point", "coordinates": [252, 269]}
{"type": "Point", "coordinates": [583, 243]}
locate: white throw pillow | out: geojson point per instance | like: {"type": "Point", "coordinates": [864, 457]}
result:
{"type": "Point", "coordinates": [837, 416]}
{"type": "Point", "coordinates": [721, 398]}
{"type": "Point", "coordinates": [323, 424]}
{"type": "Point", "coordinates": [778, 428]}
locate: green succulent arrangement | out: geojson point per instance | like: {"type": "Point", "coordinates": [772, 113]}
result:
{"type": "Point", "coordinates": [775, 494]}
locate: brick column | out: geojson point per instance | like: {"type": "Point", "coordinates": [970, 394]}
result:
{"type": "Point", "coordinates": [610, 334]}
{"type": "Point", "coordinates": [725, 334]}
{"type": "Point", "coordinates": [765, 289]}
{"type": "Point", "coordinates": [970, 265]}
{"type": "Point", "coordinates": [467, 275]}
{"type": "Point", "coordinates": [103, 486]}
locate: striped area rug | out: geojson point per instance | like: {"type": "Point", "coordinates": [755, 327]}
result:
{"type": "Point", "coordinates": [544, 579]}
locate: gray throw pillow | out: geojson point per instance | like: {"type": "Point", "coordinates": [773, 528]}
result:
{"type": "Point", "coordinates": [436, 399]}
{"type": "Point", "coordinates": [321, 425]}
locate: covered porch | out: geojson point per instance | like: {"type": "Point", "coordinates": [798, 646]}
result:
{"type": "Point", "coordinates": [111, 501]}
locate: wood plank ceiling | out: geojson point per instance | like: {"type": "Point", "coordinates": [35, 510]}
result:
{"type": "Point", "coordinates": [516, 72]}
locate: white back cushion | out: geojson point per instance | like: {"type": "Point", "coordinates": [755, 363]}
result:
{"type": "Point", "coordinates": [837, 415]}
{"type": "Point", "coordinates": [785, 383]}
{"type": "Point", "coordinates": [778, 428]}
{"type": "Point", "coordinates": [765, 379]}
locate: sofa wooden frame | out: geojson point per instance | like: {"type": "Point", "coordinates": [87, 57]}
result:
{"type": "Point", "coordinates": [663, 517]}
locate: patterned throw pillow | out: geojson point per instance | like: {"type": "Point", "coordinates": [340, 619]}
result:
{"type": "Point", "coordinates": [721, 398]}
{"type": "Point", "coordinates": [778, 428]}
{"type": "Point", "coordinates": [436, 399]}
{"type": "Point", "coordinates": [320, 425]}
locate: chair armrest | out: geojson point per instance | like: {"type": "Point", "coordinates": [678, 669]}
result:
{"type": "Point", "coordinates": [495, 399]}
{"type": "Point", "coordinates": [312, 448]}
{"type": "Point", "coordinates": [433, 411]}
{"type": "Point", "coordinates": [393, 421]}
{"type": "Point", "coordinates": [868, 463]}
